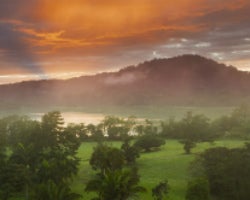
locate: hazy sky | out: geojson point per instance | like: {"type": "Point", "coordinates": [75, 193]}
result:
{"type": "Point", "coordinates": [64, 38]}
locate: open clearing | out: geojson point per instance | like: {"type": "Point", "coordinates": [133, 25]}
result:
{"type": "Point", "coordinates": [169, 163]}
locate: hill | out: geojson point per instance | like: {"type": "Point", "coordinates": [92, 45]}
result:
{"type": "Point", "coordinates": [183, 80]}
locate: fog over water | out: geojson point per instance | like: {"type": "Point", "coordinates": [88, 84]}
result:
{"type": "Point", "coordinates": [74, 117]}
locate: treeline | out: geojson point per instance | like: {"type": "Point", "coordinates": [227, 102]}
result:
{"type": "Point", "coordinates": [192, 129]}
{"type": "Point", "coordinates": [235, 125]}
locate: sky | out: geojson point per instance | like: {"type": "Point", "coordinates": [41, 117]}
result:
{"type": "Point", "coordinates": [42, 39]}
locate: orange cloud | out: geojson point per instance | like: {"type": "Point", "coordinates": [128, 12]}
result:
{"type": "Point", "coordinates": [84, 21]}
{"type": "Point", "coordinates": [98, 30]}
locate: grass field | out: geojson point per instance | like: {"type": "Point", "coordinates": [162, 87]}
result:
{"type": "Point", "coordinates": [169, 163]}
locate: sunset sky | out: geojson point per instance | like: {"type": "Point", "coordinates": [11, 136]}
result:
{"type": "Point", "coordinates": [66, 38]}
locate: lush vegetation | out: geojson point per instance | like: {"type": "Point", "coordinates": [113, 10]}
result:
{"type": "Point", "coordinates": [122, 158]}
{"type": "Point", "coordinates": [225, 173]}
{"type": "Point", "coordinates": [170, 163]}
{"type": "Point", "coordinates": [38, 159]}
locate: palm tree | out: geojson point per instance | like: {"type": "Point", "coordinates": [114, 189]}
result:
{"type": "Point", "coordinates": [115, 185]}
{"type": "Point", "coordinates": [52, 191]}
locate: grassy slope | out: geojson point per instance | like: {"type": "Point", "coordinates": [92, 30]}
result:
{"type": "Point", "coordinates": [169, 163]}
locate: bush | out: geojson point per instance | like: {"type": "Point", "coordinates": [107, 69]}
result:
{"type": "Point", "coordinates": [148, 142]}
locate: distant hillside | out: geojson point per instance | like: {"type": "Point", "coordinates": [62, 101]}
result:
{"type": "Point", "coordinates": [183, 80]}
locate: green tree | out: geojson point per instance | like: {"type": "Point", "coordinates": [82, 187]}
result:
{"type": "Point", "coordinates": [53, 191]}
{"type": "Point", "coordinates": [79, 130]}
{"type": "Point", "coordinates": [193, 129]}
{"type": "Point", "coordinates": [58, 165]}
{"type": "Point", "coordinates": [188, 144]}
{"type": "Point", "coordinates": [51, 125]}
{"type": "Point", "coordinates": [147, 128]}
{"type": "Point", "coordinates": [221, 126]}
{"type": "Point", "coordinates": [113, 180]}
{"type": "Point", "coordinates": [23, 154]}
{"type": "Point", "coordinates": [198, 189]}
{"type": "Point", "coordinates": [234, 126]}
{"type": "Point", "coordinates": [12, 179]}
{"type": "Point", "coordinates": [112, 126]}
{"type": "Point", "coordinates": [59, 150]}
{"type": "Point", "coordinates": [3, 135]}
{"type": "Point", "coordinates": [37, 152]}
{"type": "Point", "coordinates": [95, 132]}
{"type": "Point", "coordinates": [227, 172]}
{"type": "Point", "coordinates": [25, 158]}
{"type": "Point", "coordinates": [131, 152]}
{"type": "Point", "coordinates": [149, 142]}
{"type": "Point", "coordinates": [240, 120]}
{"type": "Point", "coordinates": [170, 129]}
{"type": "Point", "coordinates": [106, 158]}
{"type": "Point", "coordinates": [118, 128]}
{"type": "Point", "coordinates": [120, 184]}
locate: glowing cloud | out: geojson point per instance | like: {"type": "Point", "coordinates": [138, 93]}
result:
{"type": "Point", "coordinates": [44, 36]}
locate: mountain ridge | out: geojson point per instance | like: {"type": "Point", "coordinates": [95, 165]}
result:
{"type": "Point", "coordinates": [181, 80]}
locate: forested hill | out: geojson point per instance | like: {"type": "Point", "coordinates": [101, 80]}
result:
{"type": "Point", "coordinates": [183, 80]}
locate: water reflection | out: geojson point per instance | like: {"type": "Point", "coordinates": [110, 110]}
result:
{"type": "Point", "coordinates": [75, 117]}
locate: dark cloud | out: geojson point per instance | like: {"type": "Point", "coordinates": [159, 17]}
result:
{"type": "Point", "coordinates": [16, 50]}
{"type": "Point", "coordinates": [20, 10]}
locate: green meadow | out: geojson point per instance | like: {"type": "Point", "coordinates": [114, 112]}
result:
{"type": "Point", "coordinates": [168, 163]}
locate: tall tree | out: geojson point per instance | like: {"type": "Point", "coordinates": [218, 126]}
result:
{"type": "Point", "coordinates": [193, 129]}
{"type": "Point", "coordinates": [38, 151]}
{"type": "Point", "coordinates": [131, 152]}
{"type": "Point", "coordinates": [113, 180]}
